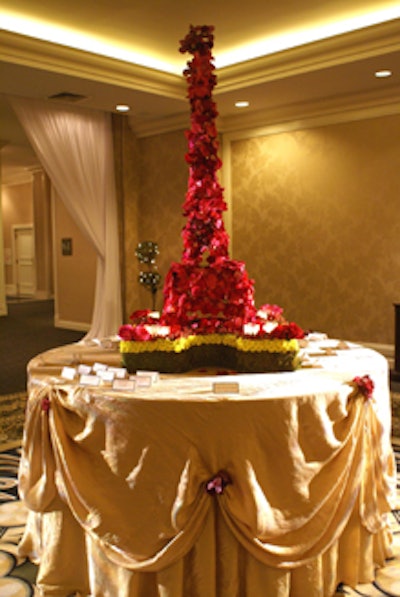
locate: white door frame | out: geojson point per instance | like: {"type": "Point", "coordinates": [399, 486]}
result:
{"type": "Point", "coordinates": [15, 229]}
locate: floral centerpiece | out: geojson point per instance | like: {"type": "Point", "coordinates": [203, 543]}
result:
{"type": "Point", "coordinates": [208, 317]}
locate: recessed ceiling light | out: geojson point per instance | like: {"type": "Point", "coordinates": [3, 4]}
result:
{"type": "Point", "coordinates": [122, 108]}
{"type": "Point", "coordinates": [242, 104]}
{"type": "Point", "coordinates": [381, 74]}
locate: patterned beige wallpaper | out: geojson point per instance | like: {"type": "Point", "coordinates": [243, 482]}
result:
{"type": "Point", "coordinates": [316, 218]}
{"type": "Point", "coordinates": [155, 199]}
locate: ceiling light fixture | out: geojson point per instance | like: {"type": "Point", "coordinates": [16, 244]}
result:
{"type": "Point", "coordinates": [242, 104]}
{"type": "Point", "coordinates": [382, 74]}
{"type": "Point", "coordinates": [122, 108]}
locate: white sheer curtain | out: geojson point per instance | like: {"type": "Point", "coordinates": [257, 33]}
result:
{"type": "Point", "coordinates": [75, 148]}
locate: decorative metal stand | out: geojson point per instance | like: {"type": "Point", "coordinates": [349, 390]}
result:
{"type": "Point", "coordinates": [146, 252]}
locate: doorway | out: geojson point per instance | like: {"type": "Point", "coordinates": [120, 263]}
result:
{"type": "Point", "coordinates": [24, 264]}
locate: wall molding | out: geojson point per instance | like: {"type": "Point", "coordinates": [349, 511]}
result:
{"type": "Point", "coordinates": [20, 176]}
{"type": "Point", "coordinates": [11, 290]}
{"type": "Point", "coordinates": [77, 326]}
{"type": "Point", "coordinates": [312, 114]}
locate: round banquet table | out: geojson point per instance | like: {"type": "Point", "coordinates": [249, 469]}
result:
{"type": "Point", "coordinates": [279, 486]}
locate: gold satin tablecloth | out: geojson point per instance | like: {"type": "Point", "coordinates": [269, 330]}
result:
{"type": "Point", "coordinates": [116, 481]}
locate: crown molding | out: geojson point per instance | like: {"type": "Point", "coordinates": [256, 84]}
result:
{"type": "Point", "coordinates": [290, 117]}
{"type": "Point", "coordinates": [340, 49]}
{"type": "Point", "coordinates": [18, 177]}
{"type": "Point", "coordinates": [158, 126]}
{"type": "Point", "coordinates": [43, 55]}
{"type": "Point", "coordinates": [319, 113]}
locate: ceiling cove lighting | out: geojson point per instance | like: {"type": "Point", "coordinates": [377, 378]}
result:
{"type": "Point", "coordinates": [383, 74]}
{"type": "Point", "coordinates": [296, 38]}
{"type": "Point", "coordinates": [12, 21]}
{"type": "Point", "coordinates": [73, 39]}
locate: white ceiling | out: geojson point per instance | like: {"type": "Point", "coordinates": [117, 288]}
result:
{"type": "Point", "coordinates": [289, 59]}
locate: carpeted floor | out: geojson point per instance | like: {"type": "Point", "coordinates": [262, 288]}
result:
{"type": "Point", "coordinates": [12, 409]}
{"type": "Point", "coordinates": [26, 331]}
{"type": "Point", "coordinates": [395, 414]}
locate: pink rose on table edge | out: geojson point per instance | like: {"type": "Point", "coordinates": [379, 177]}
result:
{"type": "Point", "coordinates": [365, 385]}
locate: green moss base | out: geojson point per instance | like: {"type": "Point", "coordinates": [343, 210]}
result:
{"type": "Point", "coordinates": [220, 356]}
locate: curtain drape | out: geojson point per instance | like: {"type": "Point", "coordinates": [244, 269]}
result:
{"type": "Point", "coordinates": [75, 148]}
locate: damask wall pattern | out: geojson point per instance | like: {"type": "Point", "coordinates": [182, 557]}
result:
{"type": "Point", "coordinates": [162, 183]}
{"type": "Point", "coordinates": [316, 218]}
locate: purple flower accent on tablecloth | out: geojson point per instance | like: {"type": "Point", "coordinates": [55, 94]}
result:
{"type": "Point", "coordinates": [217, 484]}
{"type": "Point", "coordinates": [364, 386]}
{"type": "Point", "coordinates": [45, 405]}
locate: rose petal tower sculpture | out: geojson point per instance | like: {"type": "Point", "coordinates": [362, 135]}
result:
{"type": "Point", "coordinates": [208, 317]}
{"type": "Point", "coordinates": [207, 292]}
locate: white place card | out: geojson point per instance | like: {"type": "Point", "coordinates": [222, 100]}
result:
{"type": "Point", "coordinates": [68, 373]}
{"type": "Point", "coordinates": [89, 380]}
{"type": "Point", "coordinates": [84, 369]}
{"type": "Point", "coordinates": [226, 387]}
{"type": "Point", "coordinates": [155, 376]}
{"type": "Point", "coordinates": [124, 384]}
{"type": "Point", "coordinates": [99, 367]}
{"type": "Point", "coordinates": [120, 372]}
{"type": "Point", "coordinates": [144, 381]}
{"type": "Point", "coordinates": [106, 375]}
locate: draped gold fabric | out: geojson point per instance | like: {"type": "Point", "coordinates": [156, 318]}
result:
{"type": "Point", "coordinates": [115, 483]}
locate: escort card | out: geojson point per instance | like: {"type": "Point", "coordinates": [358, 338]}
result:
{"type": "Point", "coordinates": [99, 367]}
{"type": "Point", "coordinates": [124, 384]}
{"type": "Point", "coordinates": [144, 381]}
{"type": "Point", "coordinates": [106, 375]}
{"type": "Point", "coordinates": [154, 375]}
{"type": "Point", "coordinates": [68, 373]}
{"type": "Point", "coordinates": [120, 372]}
{"type": "Point", "coordinates": [225, 387]}
{"type": "Point", "coordinates": [84, 369]}
{"type": "Point", "coordinates": [89, 380]}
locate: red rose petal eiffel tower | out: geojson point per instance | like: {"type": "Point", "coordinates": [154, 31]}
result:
{"type": "Point", "coordinates": [207, 292]}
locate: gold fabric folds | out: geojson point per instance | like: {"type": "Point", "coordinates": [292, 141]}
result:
{"type": "Point", "coordinates": [125, 474]}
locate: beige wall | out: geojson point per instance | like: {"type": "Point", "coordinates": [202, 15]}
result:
{"type": "Point", "coordinates": [316, 219]}
{"type": "Point", "coordinates": [41, 187]}
{"type": "Point", "coordinates": [17, 208]}
{"type": "Point", "coordinates": [75, 274]}
{"type": "Point", "coordinates": [161, 179]}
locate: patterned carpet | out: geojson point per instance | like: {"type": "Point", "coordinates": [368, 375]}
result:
{"type": "Point", "coordinates": [17, 575]}
{"type": "Point", "coordinates": [12, 409]}
{"type": "Point", "coordinates": [395, 414]}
